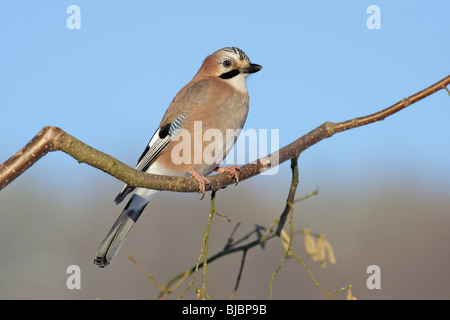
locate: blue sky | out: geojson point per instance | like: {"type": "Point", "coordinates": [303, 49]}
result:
{"type": "Point", "coordinates": [110, 82]}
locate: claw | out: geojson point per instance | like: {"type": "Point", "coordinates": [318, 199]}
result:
{"type": "Point", "coordinates": [202, 181]}
{"type": "Point", "coordinates": [233, 170]}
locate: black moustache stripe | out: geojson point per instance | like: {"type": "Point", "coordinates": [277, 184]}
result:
{"type": "Point", "coordinates": [230, 74]}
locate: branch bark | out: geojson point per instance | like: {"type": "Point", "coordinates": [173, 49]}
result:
{"type": "Point", "coordinates": [54, 139]}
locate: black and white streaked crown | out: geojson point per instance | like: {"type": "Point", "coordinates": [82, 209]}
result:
{"type": "Point", "coordinates": [238, 52]}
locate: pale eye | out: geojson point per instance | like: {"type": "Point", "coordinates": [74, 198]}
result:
{"type": "Point", "coordinates": [227, 63]}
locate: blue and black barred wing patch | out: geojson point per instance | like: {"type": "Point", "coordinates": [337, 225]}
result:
{"type": "Point", "coordinates": [159, 142]}
{"type": "Point", "coordinates": [161, 138]}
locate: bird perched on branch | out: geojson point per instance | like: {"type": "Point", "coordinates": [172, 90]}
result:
{"type": "Point", "coordinates": [215, 99]}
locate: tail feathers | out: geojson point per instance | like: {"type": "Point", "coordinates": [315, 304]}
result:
{"type": "Point", "coordinates": [115, 237]}
{"type": "Point", "coordinates": [125, 191]}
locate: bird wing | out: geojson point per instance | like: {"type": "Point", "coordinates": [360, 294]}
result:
{"type": "Point", "coordinates": [186, 100]}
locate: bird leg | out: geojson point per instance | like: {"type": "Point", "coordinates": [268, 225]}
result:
{"type": "Point", "coordinates": [202, 181]}
{"type": "Point", "coordinates": [233, 170]}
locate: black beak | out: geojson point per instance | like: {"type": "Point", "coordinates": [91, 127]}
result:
{"type": "Point", "coordinates": [252, 69]}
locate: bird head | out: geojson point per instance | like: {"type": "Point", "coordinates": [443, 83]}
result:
{"type": "Point", "coordinates": [229, 63]}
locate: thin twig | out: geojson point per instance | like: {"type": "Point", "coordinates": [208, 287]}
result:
{"type": "Point", "coordinates": [291, 195]}
{"type": "Point", "coordinates": [230, 238]}
{"type": "Point", "coordinates": [206, 241]}
{"type": "Point", "coordinates": [233, 249]}
{"type": "Point", "coordinates": [201, 293]}
{"type": "Point", "coordinates": [341, 289]}
{"type": "Point", "coordinates": [309, 195]}
{"type": "Point", "coordinates": [288, 208]}
{"type": "Point", "coordinates": [169, 288]}
{"type": "Point", "coordinates": [145, 272]}
{"type": "Point", "coordinates": [244, 255]}
{"type": "Point", "coordinates": [290, 253]}
{"type": "Point", "coordinates": [317, 284]}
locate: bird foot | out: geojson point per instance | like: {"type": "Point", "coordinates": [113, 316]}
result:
{"type": "Point", "coordinates": [233, 170]}
{"type": "Point", "coordinates": [202, 181]}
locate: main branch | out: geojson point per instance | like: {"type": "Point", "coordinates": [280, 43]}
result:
{"type": "Point", "coordinates": [53, 139]}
